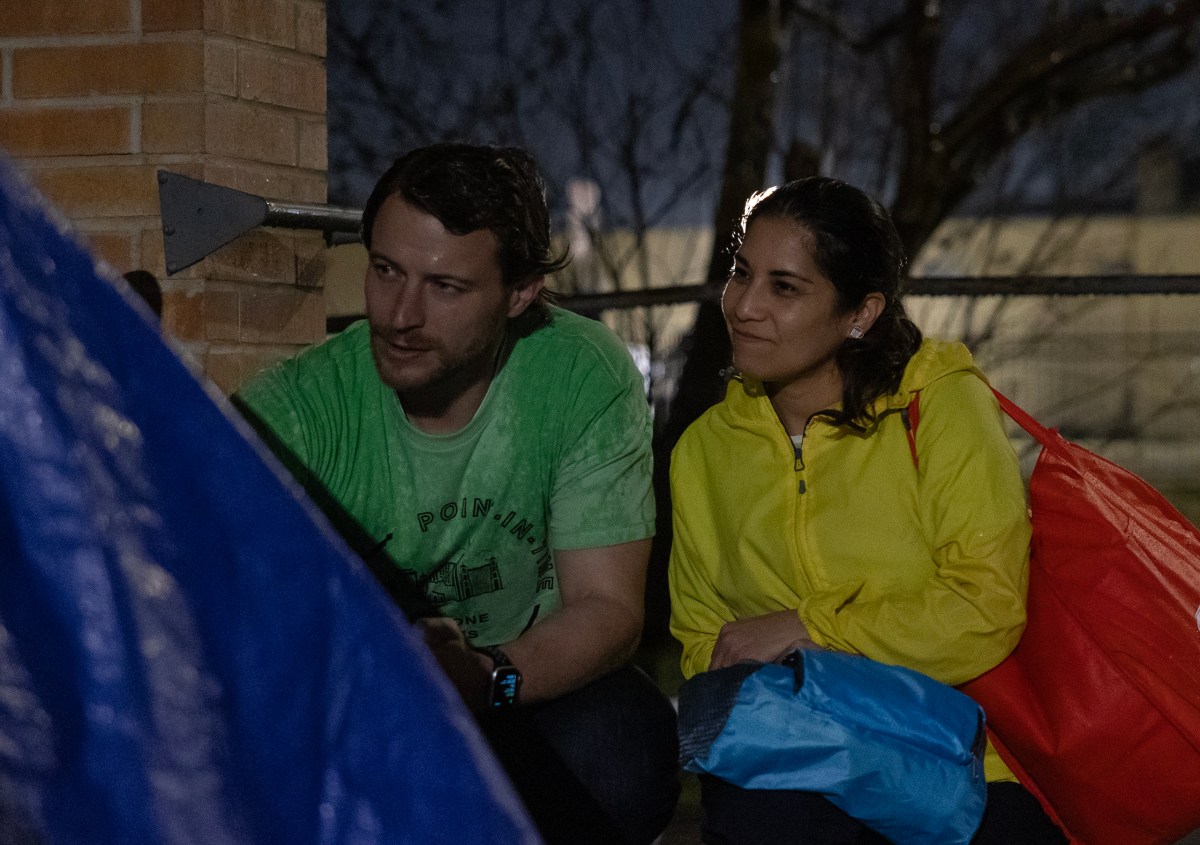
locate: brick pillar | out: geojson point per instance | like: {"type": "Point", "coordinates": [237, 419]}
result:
{"type": "Point", "coordinates": [97, 95]}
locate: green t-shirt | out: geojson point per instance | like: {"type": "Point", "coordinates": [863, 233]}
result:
{"type": "Point", "coordinates": [556, 457]}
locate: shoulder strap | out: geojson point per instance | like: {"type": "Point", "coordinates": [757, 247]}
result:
{"type": "Point", "coordinates": [911, 417]}
{"type": "Point", "coordinates": [1039, 432]}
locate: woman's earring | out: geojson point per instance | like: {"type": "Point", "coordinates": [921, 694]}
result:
{"type": "Point", "coordinates": [856, 332]}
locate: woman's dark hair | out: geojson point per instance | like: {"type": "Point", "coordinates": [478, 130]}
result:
{"type": "Point", "coordinates": [856, 246]}
{"type": "Point", "coordinates": [468, 188]}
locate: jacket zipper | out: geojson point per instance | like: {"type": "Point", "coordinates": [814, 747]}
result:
{"type": "Point", "coordinates": [798, 455]}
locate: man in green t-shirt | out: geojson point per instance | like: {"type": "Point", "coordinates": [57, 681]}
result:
{"type": "Point", "coordinates": [497, 451]}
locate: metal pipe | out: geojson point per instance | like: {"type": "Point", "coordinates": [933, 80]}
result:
{"type": "Point", "coordinates": [312, 215]}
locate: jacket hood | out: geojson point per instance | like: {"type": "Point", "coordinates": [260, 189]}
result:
{"type": "Point", "coordinates": [933, 360]}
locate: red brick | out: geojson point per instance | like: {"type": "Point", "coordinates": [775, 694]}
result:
{"type": "Point", "coordinates": [172, 15]}
{"type": "Point", "coordinates": [270, 76]}
{"type": "Point", "coordinates": [225, 368]}
{"type": "Point", "coordinates": [310, 27]}
{"type": "Point", "coordinates": [104, 191]}
{"type": "Point", "coordinates": [312, 145]}
{"type": "Point", "coordinates": [310, 252]}
{"type": "Point", "coordinates": [242, 130]}
{"type": "Point", "coordinates": [175, 126]}
{"type": "Point", "coordinates": [62, 17]}
{"type": "Point", "coordinates": [47, 131]}
{"type": "Point", "coordinates": [116, 248]}
{"type": "Point", "coordinates": [231, 367]}
{"type": "Point", "coordinates": [260, 255]}
{"type": "Point", "coordinates": [222, 319]}
{"type": "Point", "coordinates": [220, 69]}
{"type": "Point", "coordinates": [272, 182]}
{"type": "Point", "coordinates": [83, 70]}
{"type": "Point", "coordinates": [152, 254]}
{"type": "Point", "coordinates": [183, 314]}
{"type": "Point", "coordinates": [268, 21]}
{"type": "Point", "coordinates": [282, 315]}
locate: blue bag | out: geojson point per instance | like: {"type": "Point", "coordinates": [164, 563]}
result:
{"type": "Point", "coordinates": [894, 748]}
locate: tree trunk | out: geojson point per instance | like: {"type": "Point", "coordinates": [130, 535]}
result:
{"type": "Point", "coordinates": [751, 128]}
{"type": "Point", "coordinates": [706, 348]}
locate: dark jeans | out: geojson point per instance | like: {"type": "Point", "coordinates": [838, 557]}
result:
{"type": "Point", "coordinates": [598, 765]}
{"type": "Point", "coordinates": [736, 816]}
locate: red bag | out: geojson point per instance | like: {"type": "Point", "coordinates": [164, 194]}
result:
{"type": "Point", "coordinates": [1097, 711]}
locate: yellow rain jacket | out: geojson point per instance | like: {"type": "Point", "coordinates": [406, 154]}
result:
{"type": "Point", "coordinates": [923, 565]}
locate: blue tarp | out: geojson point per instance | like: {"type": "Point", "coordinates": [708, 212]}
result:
{"type": "Point", "coordinates": [187, 652]}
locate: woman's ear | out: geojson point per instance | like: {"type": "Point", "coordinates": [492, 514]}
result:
{"type": "Point", "coordinates": [867, 312]}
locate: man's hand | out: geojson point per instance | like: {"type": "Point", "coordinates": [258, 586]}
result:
{"type": "Point", "coordinates": [469, 670]}
{"type": "Point", "coordinates": [761, 638]}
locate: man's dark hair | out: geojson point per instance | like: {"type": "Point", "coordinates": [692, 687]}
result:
{"type": "Point", "coordinates": [468, 188]}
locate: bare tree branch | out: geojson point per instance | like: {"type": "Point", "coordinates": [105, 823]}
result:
{"type": "Point", "coordinates": [1075, 60]}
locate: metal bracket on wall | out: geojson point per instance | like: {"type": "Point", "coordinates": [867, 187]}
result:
{"type": "Point", "coordinates": [198, 217]}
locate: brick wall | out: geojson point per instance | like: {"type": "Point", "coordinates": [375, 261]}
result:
{"type": "Point", "coordinates": [97, 95]}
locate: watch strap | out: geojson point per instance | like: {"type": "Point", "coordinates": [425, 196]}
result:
{"type": "Point", "coordinates": [499, 658]}
{"type": "Point", "coordinates": [505, 689]}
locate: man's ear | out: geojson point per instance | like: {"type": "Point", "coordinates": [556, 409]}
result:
{"type": "Point", "coordinates": [523, 295]}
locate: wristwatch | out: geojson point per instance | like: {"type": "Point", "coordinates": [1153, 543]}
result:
{"type": "Point", "coordinates": [505, 690]}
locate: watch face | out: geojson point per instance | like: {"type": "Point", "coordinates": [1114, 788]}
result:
{"type": "Point", "coordinates": [506, 686]}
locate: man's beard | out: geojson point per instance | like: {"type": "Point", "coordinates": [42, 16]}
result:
{"type": "Point", "coordinates": [433, 376]}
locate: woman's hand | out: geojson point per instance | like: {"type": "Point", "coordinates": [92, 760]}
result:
{"type": "Point", "coordinates": [761, 638]}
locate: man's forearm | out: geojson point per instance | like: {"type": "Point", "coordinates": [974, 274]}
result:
{"type": "Point", "coordinates": [575, 645]}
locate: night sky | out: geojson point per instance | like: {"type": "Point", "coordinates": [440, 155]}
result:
{"type": "Point", "coordinates": [633, 94]}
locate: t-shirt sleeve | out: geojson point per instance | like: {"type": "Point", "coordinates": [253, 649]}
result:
{"type": "Point", "coordinates": [299, 410]}
{"type": "Point", "coordinates": [602, 493]}
{"type": "Point", "coordinates": [267, 403]}
{"type": "Point", "coordinates": [291, 409]}
{"type": "Point", "coordinates": [271, 406]}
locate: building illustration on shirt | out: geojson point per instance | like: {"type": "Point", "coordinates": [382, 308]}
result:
{"type": "Point", "coordinates": [456, 581]}
{"type": "Point", "coordinates": [494, 539]}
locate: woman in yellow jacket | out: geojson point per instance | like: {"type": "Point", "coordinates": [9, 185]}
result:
{"type": "Point", "coordinates": [805, 516]}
